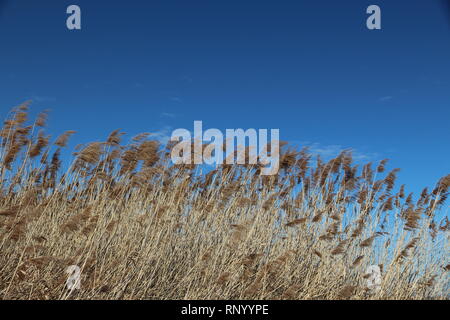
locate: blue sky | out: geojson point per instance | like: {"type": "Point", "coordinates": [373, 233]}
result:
{"type": "Point", "coordinates": [310, 68]}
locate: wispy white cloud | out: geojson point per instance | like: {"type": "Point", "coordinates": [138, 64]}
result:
{"type": "Point", "coordinates": [330, 151]}
{"type": "Point", "coordinates": [175, 99]}
{"type": "Point", "coordinates": [386, 98]}
{"type": "Point", "coordinates": [325, 150]}
{"type": "Point", "coordinates": [168, 115]}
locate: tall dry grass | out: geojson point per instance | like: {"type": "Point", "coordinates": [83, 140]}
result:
{"type": "Point", "coordinates": [142, 228]}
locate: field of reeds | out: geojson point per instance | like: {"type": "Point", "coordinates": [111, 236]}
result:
{"type": "Point", "coordinates": [140, 227]}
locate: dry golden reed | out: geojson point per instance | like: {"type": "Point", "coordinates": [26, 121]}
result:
{"type": "Point", "coordinates": [140, 227]}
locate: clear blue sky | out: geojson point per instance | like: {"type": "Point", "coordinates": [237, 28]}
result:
{"type": "Point", "coordinates": [310, 68]}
